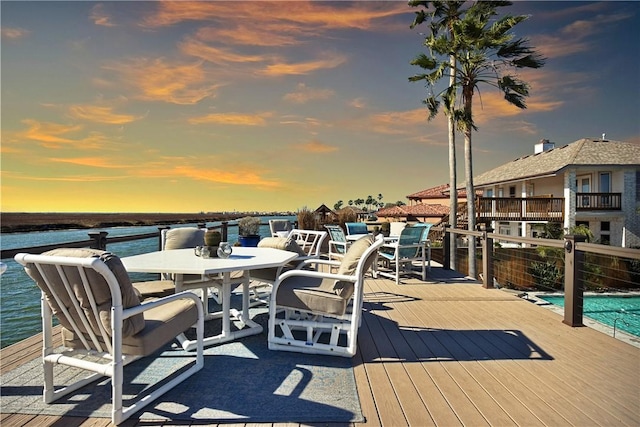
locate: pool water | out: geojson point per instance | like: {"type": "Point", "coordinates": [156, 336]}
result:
{"type": "Point", "coordinates": [624, 310]}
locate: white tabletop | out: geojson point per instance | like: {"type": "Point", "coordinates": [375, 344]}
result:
{"type": "Point", "coordinates": [185, 261]}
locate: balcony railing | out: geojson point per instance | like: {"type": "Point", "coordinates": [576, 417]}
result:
{"type": "Point", "coordinates": [520, 209]}
{"type": "Point", "coordinates": [598, 201]}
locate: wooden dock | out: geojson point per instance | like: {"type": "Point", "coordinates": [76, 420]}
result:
{"type": "Point", "coordinates": [449, 352]}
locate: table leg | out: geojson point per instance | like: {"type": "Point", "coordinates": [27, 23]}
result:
{"type": "Point", "coordinates": [250, 327]}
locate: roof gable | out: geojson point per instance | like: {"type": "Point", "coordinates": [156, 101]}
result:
{"type": "Point", "coordinates": [581, 152]}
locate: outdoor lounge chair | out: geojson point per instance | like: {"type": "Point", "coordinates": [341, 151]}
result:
{"type": "Point", "coordinates": [398, 256]}
{"type": "Point", "coordinates": [319, 311]}
{"type": "Point", "coordinates": [338, 242]}
{"type": "Point", "coordinates": [182, 238]}
{"type": "Point", "coordinates": [306, 243]}
{"type": "Point", "coordinates": [104, 325]}
{"type": "Point", "coordinates": [396, 227]}
{"type": "Point", "coordinates": [358, 229]}
{"type": "Point", "coordinates": [280, 227]}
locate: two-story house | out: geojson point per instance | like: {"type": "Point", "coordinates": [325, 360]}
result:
{"type": "Point", "coordinates": [595, 182]}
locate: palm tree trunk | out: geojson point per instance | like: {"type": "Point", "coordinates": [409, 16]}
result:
{"type": "Point", "coordinates": [453, 191]}
{"type": "Point", "coordinates": [467, 96]}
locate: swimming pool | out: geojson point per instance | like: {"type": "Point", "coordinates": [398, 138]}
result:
{"type": "Point", "coordinates": [624, 310]}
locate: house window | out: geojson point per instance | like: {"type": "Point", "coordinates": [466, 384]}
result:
{"type": "Point", "coordinates": [529, 190]}
{"type": "Point", "coordinates": [605, 182]}
{"type": "Point", "coordinates": [583, 185]}
{"type": "Point", "coordinates": [489, 193]}
{"type": "Point", "coordinates": [512, 191]}
{"type": "Point", "coordinates": [500, 192]}
{"type": "Point", "coordinates": [504, 228]}
{"type": "Point", "coordinates": [605, 233]}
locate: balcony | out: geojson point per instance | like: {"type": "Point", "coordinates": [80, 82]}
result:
{"type": "Point", "coordinates": [520, 209]}
{"type": "Point", "coordinates": [598, 201]}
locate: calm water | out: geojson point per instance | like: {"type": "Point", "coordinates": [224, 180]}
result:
{"type": "Point", "coordinates": [20, 297]}
{"type": "Point", "coordinates": [606, 309]}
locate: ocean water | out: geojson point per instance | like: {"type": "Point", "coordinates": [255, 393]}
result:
{"type": "Point", "coordinates": [623, 310]}
{"type": "Point", "coordinates": [19, 295]}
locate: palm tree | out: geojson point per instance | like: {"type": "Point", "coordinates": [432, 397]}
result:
{"type": "Point", "coordinates": [486, 51]}
{"type": "Point", "coordinates": [441, 20]}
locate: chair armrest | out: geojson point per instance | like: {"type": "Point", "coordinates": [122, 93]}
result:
{"type": "Point", "coordinates": [147, 305]}
{"type": "Point", "coordinates": [310, 261]}
{"type": "Point", "coordinates": [318, 274]}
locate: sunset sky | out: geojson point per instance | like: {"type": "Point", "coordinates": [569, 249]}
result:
{"type": "Point", "coordinates": [252, 105]}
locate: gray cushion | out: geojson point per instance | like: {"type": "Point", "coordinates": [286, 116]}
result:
{"type": "Point", "coordinates": [162, 324]}
{"type": "Point", "coordinates": [311, 294]}
{"type": "Point", "coordinates": [282, 243]}
{"type": "Point", "coordinates": [182, 238]}
{"type": "Point", "coordinates": [325, 295]}
{"type": "Point", "coordinates": [349, 264]}
{"type": "Point", "coordinates": [99, 289]}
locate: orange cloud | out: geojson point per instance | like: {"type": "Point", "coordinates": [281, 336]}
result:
{"type": "Point", "coordinates": [317, 147]}
{"type": "Point", "coordinates": [94, 162]}
{"type": "Point", "coordinates": [50, 134]}
{"type": "Point", "coordinates": [216, 55]}
{"type": "Point", "coordinates": [100, 17]}
{"type": "Point", "coordinates": [100, 114]}
{"type": "Point", "coordinates": [575, 37]}
{"type": "Point", "coordinates": [55, 135]}
{"type": "Point", "coordinates": [304, 94]}
{"type": "Point", "coordinates": [232, 119]}
{"type": "Point", "coordinates": [397, 122]}
{"type": "Point", "coordinates": [13, 33]}
{"type": "Point", "coordinates": [302, 68]}
{"type": "Point", "coordinates": [160, 80]}
{"type": "Point", "coordinates": [330, 16]}
{"type": "Point", "coordinates": [239, 176]}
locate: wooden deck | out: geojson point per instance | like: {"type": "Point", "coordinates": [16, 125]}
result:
{"type": "Point", "coordinates": [449, 352]}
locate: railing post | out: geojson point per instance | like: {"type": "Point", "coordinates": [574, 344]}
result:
{"type": "Point", "coordinates": [160, 236]}
{"type": "Point", "coordinates": [573, 281]}
{"type": "Point", "coordinates": [446, 247]}
{"type": "Point", "coordinates": [224, 230]}
{"type": "Point", "coordinates": [487, 256]}
{"type": "Point", "coordinates": [99, 240]}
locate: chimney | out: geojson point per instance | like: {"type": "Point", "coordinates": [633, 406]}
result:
{"type": "Point", "coordinates": [543, 145]}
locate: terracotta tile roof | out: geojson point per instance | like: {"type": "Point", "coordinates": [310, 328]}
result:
{"type": "Point", "coordinates": [439, 192]}
{"type": "Point", "coordinates": [419, 210]}
{"type": "Point", "coordinates": [582, 152]}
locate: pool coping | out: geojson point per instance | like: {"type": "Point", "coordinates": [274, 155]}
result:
{"type": "Point", "coordinates": [587, 321]}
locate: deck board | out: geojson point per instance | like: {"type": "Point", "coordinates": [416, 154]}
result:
{"type": "Point", "coordinates": [447, 352]}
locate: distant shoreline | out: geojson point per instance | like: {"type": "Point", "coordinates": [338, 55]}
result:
{"type": "Point", "coordinates": [23, 222]}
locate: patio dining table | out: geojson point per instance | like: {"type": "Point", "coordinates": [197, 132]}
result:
{"type": "Point", "coordinates": [184, 261]}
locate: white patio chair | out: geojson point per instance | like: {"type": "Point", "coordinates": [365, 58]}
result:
{"type": "Point", "coordinates": [306, 243]}
{"type": "Point", "coordinates": [183, 238]}
{"type": "Point", "coordinates": [280, 227]}
{"type": "Point", "coordinates": [319, 311]}
{"type": "Point", "coordinates": [398, 256]}
{"type": "Point", "coordinates": [104, 325]}
{"type": "Point", "coordinates": [396, 227]}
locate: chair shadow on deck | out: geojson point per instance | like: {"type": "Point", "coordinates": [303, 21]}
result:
{"type": "Point", "coordinates": [242, 381]}
{"type": "Point", "coordinates": [423, 344]}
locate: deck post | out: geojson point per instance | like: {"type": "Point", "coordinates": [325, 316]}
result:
{"type": "Point", "coordinates": [487, 256]}
{"type": "Point", "coordinates": [224, 230]}
{"type": "Point", "coordinates": [99, 240]}
{"type": "Point", "coordinates": [446, 247]}
{"type": "Point", "coordinates": [573, 281]}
